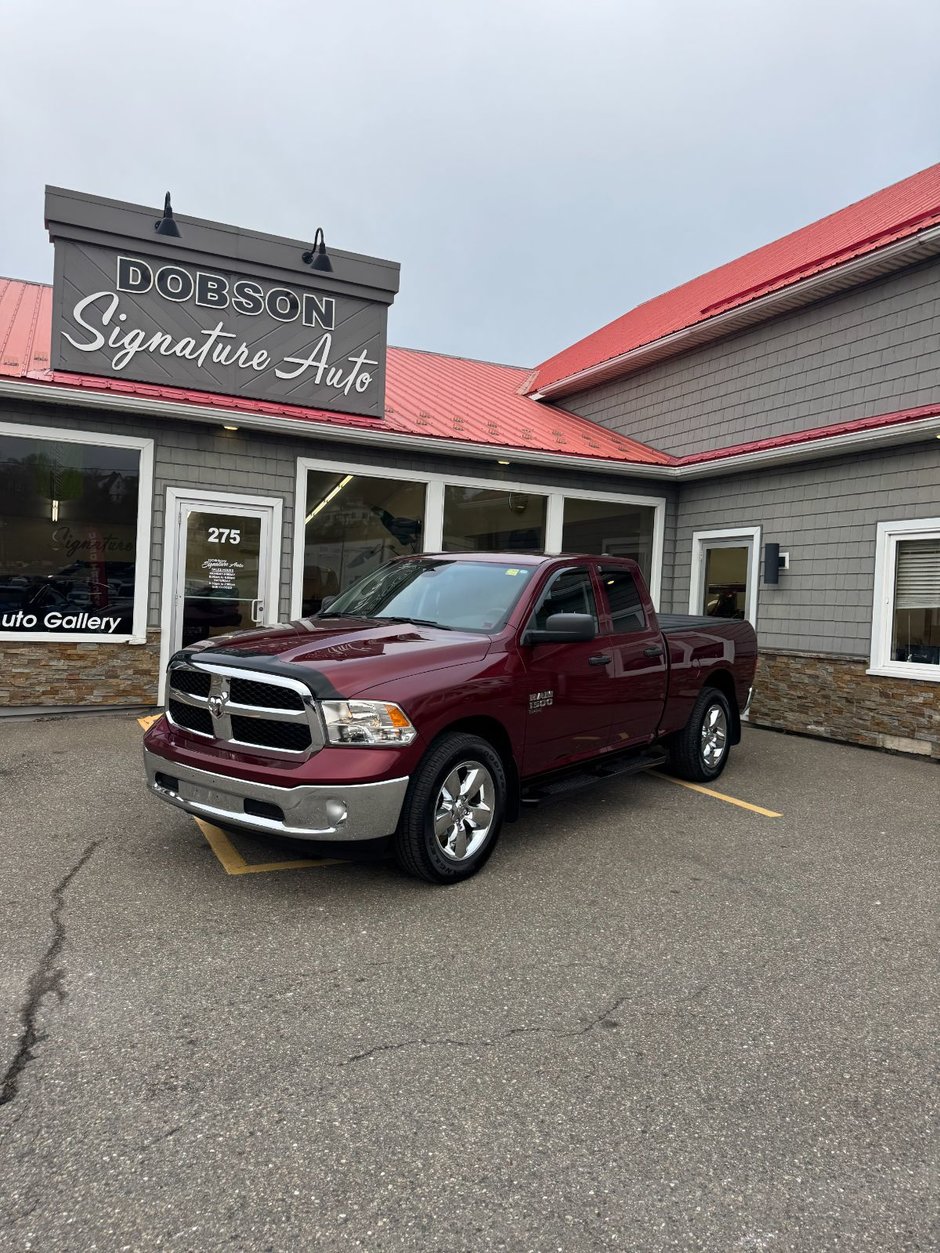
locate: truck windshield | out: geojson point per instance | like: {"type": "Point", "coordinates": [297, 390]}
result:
{"type": "Point", "coordinates": [457, 595]}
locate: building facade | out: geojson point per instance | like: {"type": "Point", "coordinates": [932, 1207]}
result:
{"type": "Point", "coordinates": [790, 400]}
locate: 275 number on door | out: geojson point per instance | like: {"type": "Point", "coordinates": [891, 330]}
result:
{"type": "Point", "coordinates": [225, 535]}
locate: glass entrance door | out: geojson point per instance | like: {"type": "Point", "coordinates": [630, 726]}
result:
{"type": "Point", "coordinates": [223, 565]}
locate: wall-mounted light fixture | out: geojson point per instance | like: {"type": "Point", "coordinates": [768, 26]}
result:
{"type": "Point", "coordinates": [315, 256]}
{"type": "Point", "coordinates": [774, 562]}
{"type": "Point", "coordinates": [167, 224]}
{"type": "Point", "coordinates": [229, 428]}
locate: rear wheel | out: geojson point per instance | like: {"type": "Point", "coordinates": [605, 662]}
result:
{"type": "Point", "coordinates": [700, 750]}
{"type": "Point", "coordinates": [453, 810]}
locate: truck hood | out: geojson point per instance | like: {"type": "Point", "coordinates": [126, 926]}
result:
{"type": "Point", "coordinates": [342, 656]}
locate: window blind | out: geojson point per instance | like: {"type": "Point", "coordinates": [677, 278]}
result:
{"type": "Point", "coordinates": [917, 581]}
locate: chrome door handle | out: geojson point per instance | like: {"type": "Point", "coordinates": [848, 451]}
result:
{"type": "Point", "coordinates": [257, 611]}
{"type": "Point", "coordinates": [654, 650]}
{"type": "Point", "coordinates": [601, 659]}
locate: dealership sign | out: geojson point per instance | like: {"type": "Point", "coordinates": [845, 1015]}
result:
{"type": "Point", "coordinates": [182, 312]}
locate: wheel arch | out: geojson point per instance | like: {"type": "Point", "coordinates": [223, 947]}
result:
{"type": "Point", "coordinates": [723, 681]}
{"type": "Point", "coordinates": [493, 731]}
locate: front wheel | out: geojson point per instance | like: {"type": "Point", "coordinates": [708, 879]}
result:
{"type": "Point", "coordinates": [453, 810]}
{"type": "Point", "coordinates": [700, 750]}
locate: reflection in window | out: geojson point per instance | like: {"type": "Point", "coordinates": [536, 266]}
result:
{"type": "Point", "coordinates": [623, 597]}
{"type": "Point", "coordinates": [725, 591]}
{"type": "Point", "coordinates": [609, 527]}
{"type": "Point", "coordinates": [354, 524]}
{"type": "Point", "coordinates": [916, 629]}
{"type": "Point", "coordinates": [484, 519]}
{"type": "Point", "coordinates": [68, 536]}
{"type": "Point", "coordinates": [570, 591]}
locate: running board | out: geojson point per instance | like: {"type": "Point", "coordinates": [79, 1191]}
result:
{"type": "Point", "coordinates": [606, 768]}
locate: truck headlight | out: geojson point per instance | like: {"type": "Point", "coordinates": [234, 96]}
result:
{"type": "Point", "coordinates": [366, 722]}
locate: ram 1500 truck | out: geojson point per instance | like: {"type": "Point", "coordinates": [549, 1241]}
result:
{"type": "Point", "coordinates": [429, 700]}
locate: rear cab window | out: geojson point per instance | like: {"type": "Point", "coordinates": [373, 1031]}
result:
{"type": "Point", "coordinates": [624, 604]}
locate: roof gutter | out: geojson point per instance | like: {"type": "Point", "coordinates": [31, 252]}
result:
{"type": "Point", "coordinates": [735, 463]}
{"type": "Point", "coordinates": [794, 295]}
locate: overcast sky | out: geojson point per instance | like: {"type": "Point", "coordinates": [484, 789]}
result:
{"type": "Point", "coordinates": [538, 167]}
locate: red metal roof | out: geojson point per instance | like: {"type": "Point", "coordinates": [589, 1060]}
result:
{"type": "Point", "coordinates": [25, 327]}
{"type": "Point", "coordinates": [446, 398]}
{"type": "Point", "coordinates": [895, 213]}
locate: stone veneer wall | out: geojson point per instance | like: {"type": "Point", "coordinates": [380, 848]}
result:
{"type": "Point", "coordinates": [50, 673]}
{"type": "Point", "coordinates": [834, 698]}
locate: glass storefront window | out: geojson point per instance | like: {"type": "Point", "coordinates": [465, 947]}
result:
{"type": "Point", "coordinates": [68, 537]}
{"type": "Point", "coordinates": [355, 523]}
{"type": "Point", "coordinates": [484, 519]}
{"type": "Point", "coordinates": [610, 527]}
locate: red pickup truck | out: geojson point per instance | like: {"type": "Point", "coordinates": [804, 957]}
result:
{"type": "Point", "coordinates": [427, 702]}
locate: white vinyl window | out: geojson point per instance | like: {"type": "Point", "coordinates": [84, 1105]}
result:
{"type": "Point", "coordinates": [357, 517]}
{"type": "Point", "coordinates": [905, 637]}
{"type": "Point", "coordinates": [74, 535]}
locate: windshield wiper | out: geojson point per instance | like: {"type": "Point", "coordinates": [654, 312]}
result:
{"type": "Point", "coordinates": [414, 621]}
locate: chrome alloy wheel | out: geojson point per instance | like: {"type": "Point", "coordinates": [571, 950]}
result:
{"type": "Point", "coordinates": [714, 736]}
{"type": "Point", "coordinates": [463, 812]}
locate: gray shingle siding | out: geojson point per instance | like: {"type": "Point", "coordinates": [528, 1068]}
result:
{"type": "Point", "coordinates": [872, 350]}
{"type": "Point", "coordinates": [261, 464]}
{"type": "Point", "coordinates": [825, 513]}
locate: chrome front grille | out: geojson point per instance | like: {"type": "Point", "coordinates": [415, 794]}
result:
{"type": "Point", "coordinates": [245, 709]}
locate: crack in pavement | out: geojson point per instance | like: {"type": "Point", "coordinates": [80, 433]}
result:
{"type": "Point", "coordinates": [48, 977]}
{"type": "Point", "coordinates": [491, 1042]}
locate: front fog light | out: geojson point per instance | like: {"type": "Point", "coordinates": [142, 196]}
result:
{"type": "Point", "coordinates": [366, 722]}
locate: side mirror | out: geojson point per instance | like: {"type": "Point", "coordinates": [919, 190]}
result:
{"type": "Point", "coordinates": [563, 628]}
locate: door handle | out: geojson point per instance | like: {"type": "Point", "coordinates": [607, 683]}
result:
{"type": "Point", "coordinates": [600, 659]}
{"type": "Point", "coordinates": [654, 650]}
{"type": "Point", "coordinates": [257, 611]}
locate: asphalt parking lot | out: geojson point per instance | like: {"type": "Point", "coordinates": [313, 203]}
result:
{"type": "Point", "coordinates": [657, 1020]}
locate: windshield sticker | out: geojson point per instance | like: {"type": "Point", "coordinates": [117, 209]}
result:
{"type": "Point", "coordinates": [513, 571]}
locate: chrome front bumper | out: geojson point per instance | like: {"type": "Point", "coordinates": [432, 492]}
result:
{"type": "Point", "coordinates": [321, 811]}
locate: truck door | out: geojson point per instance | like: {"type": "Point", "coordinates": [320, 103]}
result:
{"type": "Point", "coordinates": [638, 674]}
{"type": "Point", "coordinates": [568, 714]}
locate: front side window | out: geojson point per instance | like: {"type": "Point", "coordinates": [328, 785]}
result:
{"type": "Point", "coordinates": [569, 591]}
{"type": "Point", "coordinates": [68, 537]}
{"type": "Point", "coordinates": [906, 619]}
{"type": "Point", "coordinates": [433, 591]}
{"type": "Point", "coordinates": [354, 524]}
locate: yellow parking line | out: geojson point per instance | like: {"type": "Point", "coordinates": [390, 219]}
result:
{"type": "Point", "coordinates": [148, 720]}
{"type": "Point", "coordinates": [233, 862]}
{"type": "Point", "coordinates": [719, 796]}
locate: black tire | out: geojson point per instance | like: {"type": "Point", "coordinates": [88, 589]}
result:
{"type": "Point", "coordinates": [417, 847]}
{"type": "Point", "coordinates": [692, 754]}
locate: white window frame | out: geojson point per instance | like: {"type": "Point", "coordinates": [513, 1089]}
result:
{"type": "Point", "coordinates": [432, 535]}
{"type": "Point", "coordinates": [701, 540]}
{"type": "Point", "coordinates": [882, 617]}
{"type": "Point", "coordinates": [144, 520]}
